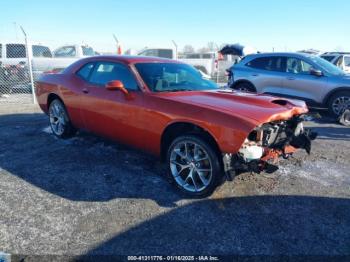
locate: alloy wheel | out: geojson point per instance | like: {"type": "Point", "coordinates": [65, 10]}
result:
{"type": "Point", "coordinates": [191, 166]}
{"type": "Point", "coordinates": [340, 104]}
{"type": "Point", "coordinates": [58, 118]}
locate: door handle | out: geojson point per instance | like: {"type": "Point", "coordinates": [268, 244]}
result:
{"type": "Point", "coordinates": [85, 90]}
{"type": "Point", "coordinates": [290, 78]}
{"type": "Point", "coordinates": [255, 74]}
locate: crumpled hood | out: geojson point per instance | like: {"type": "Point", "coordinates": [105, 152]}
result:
{"type": "Point", "coordinates": [259, 108]}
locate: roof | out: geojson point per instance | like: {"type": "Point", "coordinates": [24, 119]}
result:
{"type": "Point", "coordinates": [336, 53]}
{"type": "Point", "coordinates": [131, 59]}
{"type": "Point", "coordinates": [118, 58]}
{"type": "Point", "coordinates": [283, 54]}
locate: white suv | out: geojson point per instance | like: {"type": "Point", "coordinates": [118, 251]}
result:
{"type": "Point", "coordinates": [340, 59]}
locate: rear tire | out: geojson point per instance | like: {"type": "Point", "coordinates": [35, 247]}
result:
{"type": "Point", "coordinates": [338, 103]}
{"type": "Point", "coordinates": [60, 123]}
{"type": "Point", "coordinates": [193, 166]}
{"type": "Point", "coordinates": [245, 86]}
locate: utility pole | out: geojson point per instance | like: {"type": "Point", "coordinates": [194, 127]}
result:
{"type": "Point", "coordinates": [29, 58]}
{"type": "Point", "coordinates": [175, 49]}
{"type": "Point", "coordinates": [117, 42]}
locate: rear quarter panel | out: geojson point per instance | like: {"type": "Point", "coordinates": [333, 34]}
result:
{"type": "Point", "coordinates": [65, 87]}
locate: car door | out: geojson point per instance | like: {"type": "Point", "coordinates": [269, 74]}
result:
{"type": "Point", "coordinates": [299, 83]}
{"type": "Point", "coordinates": [112, 113]}
{"type": "Point", "coordinates": [266, 74]}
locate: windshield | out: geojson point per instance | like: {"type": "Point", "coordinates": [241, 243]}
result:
{"type": "Point", "coordinates": [172, 77]}
{"type": "Point", "coordinates": [329, 58]}
{"type": "Point", "coordinates": [326, 66]}
{"type": "Point", "coordinates": [88, 51]}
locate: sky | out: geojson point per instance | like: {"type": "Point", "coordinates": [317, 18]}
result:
{"type": "Point", "coordinates": [266, 24]}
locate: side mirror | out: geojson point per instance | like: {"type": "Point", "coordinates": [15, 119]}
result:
{"type": "Point", "coordinates": [116, 85]}
{"type": "Point", "coordinates": [316, 72]}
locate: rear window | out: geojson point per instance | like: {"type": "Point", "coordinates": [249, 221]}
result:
{"type": "Point", "coordinates": [41, 51]}
{"type": "Point", "coordinates": [15, 51]}
{"type": "Point", "coordinates": [0, 50]}
{"type": "Point", "coordinates": [85, 71]}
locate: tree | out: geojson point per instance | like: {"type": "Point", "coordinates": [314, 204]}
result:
{"type": "Point", "coordinates": [187, 49]}
{"type": "Point", "coordinates": [203, 50]}
{"type": "Point", "coordinates": [212, 46]}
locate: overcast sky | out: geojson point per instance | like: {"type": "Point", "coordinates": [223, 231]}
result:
{"type": "Point", "coordinates": [282, 25]}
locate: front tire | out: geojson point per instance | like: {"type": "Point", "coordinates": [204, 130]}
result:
{"type": "Point", "coordinates": [59, 120]}
{"type": "Point", "coordinates": [245, 86]}
{"type": "Point", "coordinates": [338, 103]}
{"type": "Point", "coordinates": [193, 166]}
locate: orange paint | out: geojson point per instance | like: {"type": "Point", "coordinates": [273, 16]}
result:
{"type": "Point", "coordinates": [140, 118]}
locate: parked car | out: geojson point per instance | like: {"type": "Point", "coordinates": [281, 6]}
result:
{"type": "Point", "coordinates": [13, 55]}
{"type": "Point", "coordinates": [340, 59]}
{"type": "Point", "coordinates": [294, 75]}
{"type": "Point", "coordinates": [74, 51]}
{"type": "Point", "coordinates": [65, 55]}
{"type": "Point", "coordinates": [165, 107]}
{"type": "Point", "coordinates": [208, 63]}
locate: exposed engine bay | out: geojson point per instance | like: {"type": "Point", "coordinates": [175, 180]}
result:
{"type": "Point", "coordinates": [269, 141]}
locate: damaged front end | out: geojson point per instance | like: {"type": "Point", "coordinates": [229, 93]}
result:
{"type": "Point", "coordinates": [267, 142]}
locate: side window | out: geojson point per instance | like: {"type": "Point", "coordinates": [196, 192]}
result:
{"type": "Point", "coordinates": [272, 63]}
{"type": "Point", "coordinates": [297, 66]}
{"type": "Point", "coordinates": [347, 60]}
{"type": "Point", "coordinates": [15, 51]}
{"type": "Point", "coordinates": [165, 53]}
{"type": "Point", "coordinates": [258, 63]}
{"type": "Point", "coordinates": [85, 71]}
{"type": "Point", "coordinates": [105, 72]}
{"type": "Point", "coordinates": [41, 51]}
{"type": "Point", "coordinates": [0, 50]}
{"type": "Point", "coordinates": [66, 51]}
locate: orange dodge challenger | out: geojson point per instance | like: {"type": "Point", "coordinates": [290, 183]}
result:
{"type": "Point", "coordinates": [204, 133]}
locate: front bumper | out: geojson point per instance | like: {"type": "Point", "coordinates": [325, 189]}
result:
{"type": "Point", "coordinates": [270, 155]}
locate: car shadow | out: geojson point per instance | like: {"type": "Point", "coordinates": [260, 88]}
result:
{"type": "Point", "coordinates": [250, 226]}
{"type": "Point", "coordinates": [82, 168]}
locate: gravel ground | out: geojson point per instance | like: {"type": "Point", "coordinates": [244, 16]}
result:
{"type": "Point", "coordinates": [89, 196]}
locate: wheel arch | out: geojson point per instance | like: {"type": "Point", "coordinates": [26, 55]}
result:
{"type": "Point", "coordinates": [175, 129]}
{"type": "Point", "coordinates": [333, 92]}
{"type": "Point", "coordinates": [240, 81]}
{"type": "Point", "coordinates": [51, 97]}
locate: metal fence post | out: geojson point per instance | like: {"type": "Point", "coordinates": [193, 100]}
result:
{"type": "Point", "coordinates": [29, 58]}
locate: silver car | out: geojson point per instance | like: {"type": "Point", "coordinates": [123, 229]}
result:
{"type": "Point", "coordinates": [294, 75]}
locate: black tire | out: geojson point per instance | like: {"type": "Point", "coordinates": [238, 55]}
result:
{"type": "Point", "coordinates": [334, 100]}
{"type": "Point", "coordinates": [216, 174]}
{"type": "Point", "coordinates": [244, 86]}
{"type": "Point", "coordinates": [60, 123]}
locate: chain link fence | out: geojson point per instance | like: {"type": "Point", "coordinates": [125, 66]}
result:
{"type": "Point", "coordinates": [22, 63]}
{"type": "Point", "coordinates": [15, 74]}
